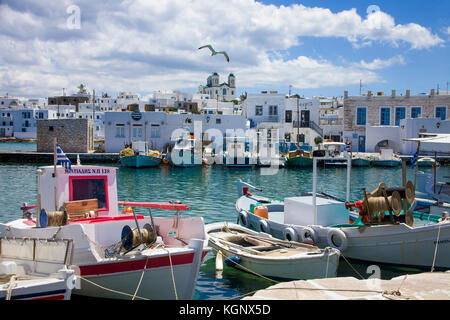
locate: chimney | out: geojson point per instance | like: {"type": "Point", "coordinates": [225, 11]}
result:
{"type": "Point", "coordinates": [369, 94]}
{"type": "Point", "coordinates": [408, 93]}
{"type": "Point", "coordinates": [345, 94]}
{"type": "Point", "coordinates": [432, 92]}
{"type": "Point", "coordinates": [393, 94]}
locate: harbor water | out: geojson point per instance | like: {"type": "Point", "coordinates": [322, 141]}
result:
{"type": "Point", "coordinates": [210, 192]}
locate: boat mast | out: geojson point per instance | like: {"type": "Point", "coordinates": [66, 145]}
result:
{"type": "Point", "coordinates": [298, 126]}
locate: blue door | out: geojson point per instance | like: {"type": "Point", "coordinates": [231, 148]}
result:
{"type": "Point", "coordinates": [362, 144]}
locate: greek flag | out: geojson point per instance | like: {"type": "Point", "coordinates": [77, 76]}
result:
{"type": "Point", "coordinates": [61, 158]}
{"type": "Point", "coordinates": [413, 160]}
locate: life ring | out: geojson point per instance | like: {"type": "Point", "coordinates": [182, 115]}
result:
{"type": "Point", "coordinates": [264, 226]}
{"type": "Point", "coordinates": [165, 160]}
{"type": "Point", "coordinates": [307, 232]}
{"type": "Point", "coordinates": [290, 234]}
{"type": "Point", "coordinates": [243, 218]}
{"type": "Point", "coordinates": [342, 239]}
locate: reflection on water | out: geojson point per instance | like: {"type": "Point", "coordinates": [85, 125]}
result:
{"type": "Point", "coordinates": [211, 194]}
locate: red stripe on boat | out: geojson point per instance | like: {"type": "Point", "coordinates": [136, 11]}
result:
{"type": "Point", "coordinates": [157, 262]}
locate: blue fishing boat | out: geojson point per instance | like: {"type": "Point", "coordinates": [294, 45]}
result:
{"type": "Point", "coordinates": [139, 156]}
{"type": "Point", "coordinates": [387, 158]}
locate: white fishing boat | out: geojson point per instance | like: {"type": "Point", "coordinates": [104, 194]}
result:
{"type": "Point", "coordinates": [427, 162]}
{"type": "Point", "coordinates": [35, 269]}
{"type": "Point", "coordinates": [119, 255]}
{"type": "Point", "coordinates": [261, 254]}
{"type": "Point", "coordinates": [335, 153]}
{"type": "Point", "coordinates": [402, 237]}
{"type": "Point", "coordinates": [387, 158]}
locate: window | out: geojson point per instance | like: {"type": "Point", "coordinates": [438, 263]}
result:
{"type": "Point", "coordinates": [84, 188]}
{"type": "Point", "coordinates": [155, 131]}
{"type": "Point", "coordinates": [361, 116]}
{"type": "Point", "coordinates": [288, 116]}
{"type": "Point", "coordinates": [441, 112]}
{"type": "Point", "coordinates": [120, 130]}
{"type": "Point", "coordinates": [258, 110]}
{"type": "Point", "coordinates": [385, 117]}
{"type": "Point", "coordinates": [400, 113]}
{"type": "Point", "coordinates": [218, 121]}
{"type": "Point", "coordinates": [273, 110]}
{"type": "Point", "coordinates": [224, 91]}
{"type": "Point", "coordinates": [416, 112]}
{"type": "Point", "coordinates": [137, 131]}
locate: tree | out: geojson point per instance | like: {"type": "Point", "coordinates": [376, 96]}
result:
{"type": "Point", "coordinates": [82, 89]}
{"type": "Point", "coordinates": [318, 140]}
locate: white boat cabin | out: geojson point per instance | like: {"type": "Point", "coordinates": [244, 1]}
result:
{"type": "Point", "coordinates": [78, 183]}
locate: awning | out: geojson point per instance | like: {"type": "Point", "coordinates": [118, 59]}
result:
{"type": "Point", "coordinates": [439, 143]}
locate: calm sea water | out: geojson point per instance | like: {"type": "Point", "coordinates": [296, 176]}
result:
{"type": "Point", "coordinates": [210, 192]}
{"type": "Point", "coordinates": [23, 146]}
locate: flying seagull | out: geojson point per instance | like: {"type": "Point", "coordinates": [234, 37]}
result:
{"type": "Point", "coordinates": [214, 52]}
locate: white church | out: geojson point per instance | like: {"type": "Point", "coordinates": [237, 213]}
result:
{"type": "Point", "coordinates": [225, 91]}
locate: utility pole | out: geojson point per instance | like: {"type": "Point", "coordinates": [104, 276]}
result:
{"type": "Point", "coordinates": [360, 87]}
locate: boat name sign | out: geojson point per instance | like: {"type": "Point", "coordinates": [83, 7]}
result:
{"type": "Point", "coordinates": [88, 171]}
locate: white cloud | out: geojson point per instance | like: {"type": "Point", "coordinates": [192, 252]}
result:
{"type": "Point", "coordinates": [377, 64]}
{"type": "Point", "coordinates": [141, 45]}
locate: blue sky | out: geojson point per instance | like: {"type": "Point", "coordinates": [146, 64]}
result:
{"type": "Point", "coordinates": [320, 47]}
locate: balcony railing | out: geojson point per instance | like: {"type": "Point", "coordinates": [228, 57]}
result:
{"type": "Point", "coordinates": [308, 124]}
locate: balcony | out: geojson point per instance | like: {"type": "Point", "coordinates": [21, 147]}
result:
{"type": "Point", "coordinates": [271, 118]}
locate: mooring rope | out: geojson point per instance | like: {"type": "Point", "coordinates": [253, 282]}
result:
{"type": "Point", "coordinates": [111, 290]}
{"type": "Point", "coordinates": [436, 248]}
{"type": "Point", "coordinates": [12, 280]}
{"type": "Point", "coordinates": [173, 277]}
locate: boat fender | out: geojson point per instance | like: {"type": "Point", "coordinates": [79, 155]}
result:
{"type": "Point", "coordinates": [264, 226]}
{"type": "Point", "coordinates": [337, 233]}
{"type": "Point", "coordinates": [306, 233]}
{"type": "Point", "coordinates": [290, 234]}
{"type": "Point", "coordinates": [243, 218]}
{"type": "Point", "coordinates": [232, 261]}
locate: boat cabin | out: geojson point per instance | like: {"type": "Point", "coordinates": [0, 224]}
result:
{"type": "Point", "coordinates": [80, 182]}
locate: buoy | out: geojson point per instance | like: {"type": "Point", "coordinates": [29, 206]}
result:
{"type": "Point", "coordinates": [128, 210]}
{"type": "Point", "coordinates": [232, 261]}
{"type": "Point", "coordinates": [261, 211]}
{"type": "Point", "coordinates": [219, 261]}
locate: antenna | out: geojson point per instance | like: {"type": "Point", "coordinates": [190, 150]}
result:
{"type": "Point", "coordinates": [360, 87]}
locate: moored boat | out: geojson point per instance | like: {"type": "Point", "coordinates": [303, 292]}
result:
{"type": "Point", "coordinates": [427, 162]}
{"type": "Point", "coordinates": [261, 254]}
{"type": "Point", "coordinates": [79, 203]}
{"type": "Point", "coordinates": [400, 237]}
{"type": "Point", "coordinates": [299, 159]}
{"type": "Point", "coordinates": [387, 158]}
{"type": "Point", "coordinates": [35, 269]}
{"type": "Point", "coordinates": [140, 156]}
{"type": "Point", "coordinates": [359, 160]}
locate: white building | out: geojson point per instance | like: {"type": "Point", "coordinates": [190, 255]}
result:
{"type": "Point", "coordinates": [373, 121]}
{"type": "Point", "coordinates": [225, 91]}
{"type": "Point", "coordinates": [156, 128]}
